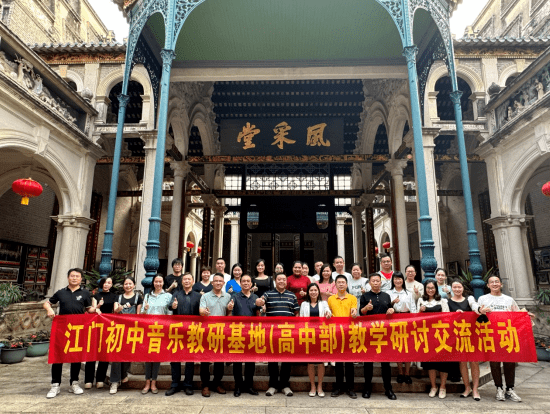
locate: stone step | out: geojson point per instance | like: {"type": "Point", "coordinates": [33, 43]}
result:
{"type": "Point", "coordinates": [302, 384]}
{"type": "Point", "coordinates": [298, 369]}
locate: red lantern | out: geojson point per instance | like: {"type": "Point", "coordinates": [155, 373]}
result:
{"type": "Point", "coordinates": [376, 250]}
{"type": "Point", "coordinates": [26, 187]}
{"type": "Point", "coordinates": [190, 245]}
{"type": "Point", "coordinates": [546, 189]}
{"type": "Point", "coordinates": [386, 245]}
{"type": "Point", "coordinates": [199, 250]}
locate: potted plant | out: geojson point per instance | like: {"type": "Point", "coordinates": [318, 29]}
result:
{"type": "Point", "coordinates": [543, 297]}
{"type": "Point", "coordinates": [14, 350]}
{"type": "Point", "coordinates": [9, 293]}
{"type": "Point", "coordinates": [39, 343]}
{"type": "Point", "coordinates": [467, 277]}
{"type": "Point", "coordinates": [542, 343]}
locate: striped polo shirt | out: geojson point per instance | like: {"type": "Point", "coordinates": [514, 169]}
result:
{"type": "Point", "coordinates": [280, 304]}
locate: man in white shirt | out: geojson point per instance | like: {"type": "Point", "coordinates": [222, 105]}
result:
{"type": "Point", "coordinates": [220, 268]}
{"type": "Point", "coordinates": [339, 266]}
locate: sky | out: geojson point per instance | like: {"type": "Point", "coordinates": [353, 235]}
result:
{"type": "Point", "coordinates": [112, 17]}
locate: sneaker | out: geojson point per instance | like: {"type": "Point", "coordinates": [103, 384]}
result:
{"type": "Point", "coordinates": [88, 385]}
{"type": "Point", "coordinates": [287, 392]}
{"type": "Point", "coordinates": [114, 388]}
{"type": "Point", "coordinates": [500, 394]}
{"type": "Point", "coordinates": [75, 389]}
{"type": "Point", "coordinates": [99, 385]}
{"type": "Point", "coordinates": [512, 396]}
{"type": "Point", "coordinates": [271, 392]}
{"type": "Point", "coordinates": [53, 391]}
{"type": "Point", "coordinates": [433, 392]}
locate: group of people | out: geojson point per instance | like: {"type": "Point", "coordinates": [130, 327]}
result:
{"type": "Point", "coordinates": [325, 294]}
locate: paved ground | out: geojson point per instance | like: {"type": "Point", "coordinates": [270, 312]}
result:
{"type": "Point", "coordinates": [24, 387]}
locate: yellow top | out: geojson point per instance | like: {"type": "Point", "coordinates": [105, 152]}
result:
{"type": "Point", "coordinates": [341, 307]}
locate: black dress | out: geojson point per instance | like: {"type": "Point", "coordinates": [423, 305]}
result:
{"type": "Point", "coordinates": [464, 306]}
{"type": "Point", "coordinates": [263, 285]}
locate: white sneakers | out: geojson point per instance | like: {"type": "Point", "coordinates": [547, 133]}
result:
{"type": "Point", "coordinates": [75, 389]}
{"type": "Point", "coordinates": [512, 396]}
{"type": "Point", "coordinates": [500, 394]}
{"type": "Point", "coordinates": [99, 385]}
{"type": "Point", "coordinates": [114, 388]}
{"type": "Point", "coordinates": [287, 392]}
{"type": "Point", "coordinates": [53, 391]}
{"type": "Point", "coordinates": [271, 392]}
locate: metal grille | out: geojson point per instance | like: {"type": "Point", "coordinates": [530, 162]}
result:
{"type": "Point", "coordinates": [309, 177]}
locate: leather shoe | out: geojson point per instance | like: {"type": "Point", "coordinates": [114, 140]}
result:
{"type": "Point", "coordinates": [252, 391]}
{"type": "Point", "coordinates": [352, 394]}
{"type": "Point", "coordinates": [220, 390]}
{"type": "Point", "coordinates": [335, 393]}
{"type": "Point", "coordinates": [171, 391]}
{"type": "Point", "coordinates": [390, 395]}
{"type": "Point", "coordinates": [366, 394]}
{"type": "Point", "coordinates": [205, 392]}
{"type": "Point", "coordinates": [189, 391]}
{"type": "Point", "coordinates": [237, 392]}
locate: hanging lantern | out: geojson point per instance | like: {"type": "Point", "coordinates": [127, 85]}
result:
{"type": "Point", "coordinates": [190, 245]}
{"type": "Point", "coordinates": [386, 245]}
{"type": "Point", "coordinates": [376, 250]}
{"type": "Point", "coordinates": [26, 188]}
{"type": "Point", "coordinates": [546, 189]}
{"type": "Point", "coordinates": [199, 250]}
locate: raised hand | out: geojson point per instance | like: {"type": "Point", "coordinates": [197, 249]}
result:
{"type": "Point", "coordinates": [422, 308]}
{"type": "Point", "coordinates": [146, 306]}
{"type": "Point", "coordinates": [175, 303]}
{"type": "Point", "coordinates": [230, 305]}
{"type": "Point", "coordinates": [370, 306]}
{"type": "Point", "coordinates": [202, 292]}
{"type": "Point", "coordinates": [353, 312]}
{"type": "Point", "coordinates": [100, 304]}
{"type": "Point", "coordinates": [302, 293]}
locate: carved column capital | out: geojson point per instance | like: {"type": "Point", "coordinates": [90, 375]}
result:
{"type": "Point", "coordinates": [395, 166]}
{"type": "Point", "coordinates": [410, 53]}
{"type": "Point", "coordinates": [180, 168]}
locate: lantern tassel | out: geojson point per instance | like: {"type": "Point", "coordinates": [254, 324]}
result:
{"type": "Point", "coordinates": [25, 201]}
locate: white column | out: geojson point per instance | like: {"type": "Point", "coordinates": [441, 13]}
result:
{"type": "Point", "coordinates": [71, 251]}
{"type": "Point", "coordinates": [234, 255]}
{"type": "Point", "coordinates": [513, 260]}
{"type": "Point", "coordinates": [146, 201]}
{"type": "Point", "coordinates": [395, 167]}
{"type": "Point", "coordinates": [340, 219]}
{"type": "Point", "coordinates": [357, 223]}
{"type": "Point", "coordinates": [180, 168]}
{"type": "Point", "coordinates": [193, 265]}
{"type": "Point", "coordinates": [218, 231]}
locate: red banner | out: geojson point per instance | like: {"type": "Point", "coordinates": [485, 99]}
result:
{"type": "Point", "coordinates": [407, 337]}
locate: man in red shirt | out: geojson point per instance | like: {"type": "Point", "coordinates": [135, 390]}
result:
{"type": "Point", "coordinates": [297, 283]}
{"type": "Point", "coordinates": [385, 272]}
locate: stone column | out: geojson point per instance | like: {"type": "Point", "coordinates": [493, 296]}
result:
{"type": "Point", "coordinates": [340, 239]}
{"type": "Point", "coordinates": [180, 168]}
{"type": "Point", "coordinates": [234, 254]}
{"type": "Point", "coordinates": [146, 197]}
{"type": "Point", "coordinates": [70, 253]}
{"type": "Point", "coordinates": [357, 223]}
{"type": "Point", "coordinates": [193, 264]}
{"type": "Point", "coordinates": [395, 167]}
{"type": "Point", "coordinates": [219, 212]}
{"type": "Point", "coordinates": [513, 263]}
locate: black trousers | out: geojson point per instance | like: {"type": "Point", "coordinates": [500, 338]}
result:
{"type": "Point", "coordinates": [279, 379]}
{"type": "Point", "coordinates": [90, 372]}
{"type": "Point", "coordinates": [205, 374]}
{"type": "Point", "coordinates": [175, 368]}
{"type": "Point", "coordinates": [57, 369]}
{"type": "Point", "coordinates": [386, 375]}
{"type": "Point", "coordinates": [509, 373]}
{"type": "Point", "coordinates": [249, 368]}
{"type": "Point", "coordinates": [350, 376]}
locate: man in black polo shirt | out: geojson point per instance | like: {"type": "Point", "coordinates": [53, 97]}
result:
{"type": "Point", "coordinates": [73, 300]}
{"type": "Point", "coordinates": [243, 303]}
{"type": "Point", "coordinates": [184, 302]}
{"type": "Point", "coordinates": [376, 302]}
{"type": "Point", "coordinates": [279, 302]}
{"type": "Point", "coordinates": [173, 282]}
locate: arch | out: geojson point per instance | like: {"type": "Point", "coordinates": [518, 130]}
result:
{"type": "Point", "coordinates": [59, 178]}
{"type": "Point", "coordinates": [378, 115]}
{"type": "Point", "coordinates": [200, 118]}
{"type": "Point", "coordinates": [399, 115]}
{"type": "Point", "coordinates": [179, 120]}
{"type": "Point", "coordinates": [469, 75]}
{"type": "Point", "coordinates": [75, 77]}
{"type": "Point", "coordinates": [506, 73]}
{"type": "Point", "coordinates": [139, 74]}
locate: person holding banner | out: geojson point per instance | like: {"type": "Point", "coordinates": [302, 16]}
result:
{"type": "Point", "coordinates": [243, 303]}
{"type": "Point", "coordinates": [214, 303]}
{"type": "Point", "coordinates": [402, 302]}
{"type": "Point", "coordinates": [155, 303]}
{"type": "Point", "coordinates": [343, 305]}
{"type": "Point", "coordinates": [73, 300]}
{"type": "Point", "coordinates": [313, 306]}
{"type": "Point", "coordinates": [184, 302]}
{"type": "Point", "coordinates": [431, 301]}
{"type": "Point", "coordinates": [377, 302]}
{"type": "Point", "coordinates": [458, 303]}
{"type": "Point", "coordinates": [496, 301]}
{"type": "Point", "coordinates": [129, 302]}
{"type": "Point", "coordinates": [203, 286]}
{"type": "Point", "coordinates": [279, 302]}
{"type": "Point", "coordinates": [104, 302]}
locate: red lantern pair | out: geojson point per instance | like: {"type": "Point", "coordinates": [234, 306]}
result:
{"type": "Point", "coordinates": [26, 188]}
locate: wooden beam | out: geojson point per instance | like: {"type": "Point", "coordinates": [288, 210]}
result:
{"type": "Point", "coordinates": [199, 181]}
{"type": "Point", "coordinates": [129, 160]}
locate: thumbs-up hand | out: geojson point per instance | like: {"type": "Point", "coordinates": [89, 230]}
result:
{"type": "Point", "coordinates": [230, 290]}
{"type": "Point", "coordinates": [369, 305]}
{"type": "Point", "coordinates": [175, 303]}
{"type": "Point", "coordinates": [396, 300]}
{"type": "Point", "coordinates": [230, 305]}
{"type": "Point", "coordinates": [353, 312]}
{"type": "Point", "coordinates": [100, 304]}
{"type": "Point", "coordinates": [146, 306]}
{"type": "Point", "coordinates": [174, 285]}
{"type": "Point", "coordinates": [255, 288]}
{"type": "Point", "coordinates": [202, 292]}
{"type": "Point", "coordinates": [363, 289]}
{"type": "Point", "coordinates": [416, 291]}
{"type": "Point", "coordinates": [302, 293]}
{"type": "Point", "coordinates": [207, 312]}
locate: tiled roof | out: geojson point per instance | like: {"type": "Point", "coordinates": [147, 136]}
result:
{"type": "Point", "coordinates": [77, 47]}
{"type": "Point", "coordinates": [501, 41]}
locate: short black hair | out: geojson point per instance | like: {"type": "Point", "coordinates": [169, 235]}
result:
{"type": "Point", "coordinates": [383, 256]}
{"type": "Point", "coordinates": [176, 261]}
{"type": "Point", "coordinates": [218, 274]}
{"type": "Point", "coordinates": [76, 269]}
{"type": "Point", "coordinates": [374, 274]}
{"type": "Point", "coordinates": [410, 266]}
{"type": "Point", "coordinates": [341, 277]}
{"type": "Point", "coordinates": [338, 257]}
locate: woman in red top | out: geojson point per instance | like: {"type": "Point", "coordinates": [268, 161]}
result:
{"type": "Point", "coordinates": [297, 283]}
